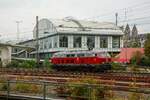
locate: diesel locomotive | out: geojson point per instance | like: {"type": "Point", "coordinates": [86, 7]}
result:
{"type": "Point", "coordinates": [91, 61]}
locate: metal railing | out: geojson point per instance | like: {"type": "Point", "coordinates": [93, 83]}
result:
{"type": "Point", "coordinates": [21, 90]}
{"type": "Point", "coordinates": [46, 90]}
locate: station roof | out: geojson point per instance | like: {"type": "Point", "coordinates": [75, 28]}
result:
{"type": "Point", "coordinates": [14, 45]}
{"type": "Point", "coordinates": [73, 26]}
{"type": "Point", "coordinates": [63, 25]}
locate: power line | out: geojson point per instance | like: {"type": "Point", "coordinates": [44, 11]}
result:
{"type": "Point", "coordinates": [139, 5]}
{"type": "Point", "coordinates": [139, 18]}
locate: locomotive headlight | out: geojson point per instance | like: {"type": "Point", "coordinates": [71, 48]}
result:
{"type": "Point", "coordinates": [77, 59]}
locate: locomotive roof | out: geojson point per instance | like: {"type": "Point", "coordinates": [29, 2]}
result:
{"type": "Point", "coordinates": [77, 52]}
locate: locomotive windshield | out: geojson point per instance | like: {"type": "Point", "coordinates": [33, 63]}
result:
{"type": "Point", "coordinates": [80, 55]}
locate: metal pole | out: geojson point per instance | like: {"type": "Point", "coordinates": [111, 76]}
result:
{"type": "Point", "coordinates": [44, 91]}
{"type": "Point", "coordinates": [116, 18]}
{"type": "Point", "coordinates": [8, 89]}
{"type": "Point", "coordinates": [18, 31]}
{"type": "Point", "coordinates": [37, 41]}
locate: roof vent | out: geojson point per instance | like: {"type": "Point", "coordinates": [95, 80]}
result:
{"type": "Point", "coordinates": [61, 25]}
{"type": "Point", "coordinates": [76, 22]}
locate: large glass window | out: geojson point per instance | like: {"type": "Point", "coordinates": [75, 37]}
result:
{"type": "Point", "coordinates": [45, 44]}
{"type": "Point", "coordinates": [77, 42]}
{"type": "Point", "coordinates": [41, 45]}
{"type": "Point", "coordinates": [55, 41]}
{"type": "Point", "coordinates": [115, 42]}
{"type": "Point", "coordinates": [103, 42]}
{"type": "Point", "coordinates": [90, 42]}
{"type": "Point", "coordinates": [63, 41]}
{"type": "Point", "coordinates": [50, 44]}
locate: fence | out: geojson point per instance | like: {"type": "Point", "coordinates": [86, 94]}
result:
{"type": "Point", "coordinates": [44, 90]}
{"type": "Point", "coordinates": [40, 89]}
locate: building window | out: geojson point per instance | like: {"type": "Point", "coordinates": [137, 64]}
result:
{"type": "Point", "coordinates": [63, 41]}
{"type": "Point", "coordinates": [55, 41]}
{"type": "Point", "coordinates": [50, 44]}
{"type": "Point", "coordinates": [103, 42]}
{"type": "Point", "coordinates": [77, 42]}
{"type": "Point", "coordinates": [45, 44]}
{"type": "Point", "coordinates": [90, 42]}
{"type": "Point", "coordinates": [116, 42]}
{"type": "Point", "coordinates": [41, 45]}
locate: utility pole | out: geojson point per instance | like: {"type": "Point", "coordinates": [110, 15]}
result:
{"type": "Point", "coordinates": [126, 39]}
{"type": "Point", "coordinates": [116, 18]}
{"type": "Point", "coordinates": [18, 31]}
{"type": "Point", "coordinates": [37, 42]}
{"type": "Point", "coordinates": [125, 15]}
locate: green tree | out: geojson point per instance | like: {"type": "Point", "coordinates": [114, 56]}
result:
{"type": "Point", "coordinates": [147, 46]}
{"type": "Point", "coordinates": [136, 58]}
{"type": "Point", "coordinates": [47, 64]}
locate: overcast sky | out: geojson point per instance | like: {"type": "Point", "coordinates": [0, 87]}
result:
{"type": "Point", "coordinates": [26, 11]}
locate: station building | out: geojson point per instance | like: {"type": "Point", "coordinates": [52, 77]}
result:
{"type": "Point", "coordinates": [73, 35]}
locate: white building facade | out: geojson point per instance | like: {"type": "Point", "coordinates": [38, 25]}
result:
{"type": "Point", "coordinates": [73, 35]}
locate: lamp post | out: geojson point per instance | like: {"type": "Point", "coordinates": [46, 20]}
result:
{"type": "Point", "coordinates": [18, 31]}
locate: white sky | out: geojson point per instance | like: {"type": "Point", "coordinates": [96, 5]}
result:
{"type": "Point", "coordinates": [27, 10]}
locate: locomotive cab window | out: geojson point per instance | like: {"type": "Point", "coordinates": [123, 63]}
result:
{"type": "Point", "coordinates": [90, 54]}
{"type": "Point", "coordinates": [95, 54]}
{"type": "Point", "coordinates": [99, 54]}
{"type": "Point", "coordinates": [58, 55]}
{"type": "Point", "coordinates": [80, 55]}
{"type": "Point", "coordinates": [105, 55]}
{"type": "Point", "coordinates": [70, 55]}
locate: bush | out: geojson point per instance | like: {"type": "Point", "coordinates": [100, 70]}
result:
{"type": "Point", "coordinates": [133, 68]}
{"type": "Point", "coordinates": [27, 64]}
{"type": "Point", "coordinates": [13, 63]}
{"type": "Point", "coordinates": [85, 90]}
{"type": "Point", "coordinates": [22, 64]}
{"type": "Point", "coordinates": [117, 66]}
{"type": "Point", "coordinates": [3, 86]}
{"type": "Point", "coordinates": [135, 96]}
{"type": "Point", "coordinates": [136, 58]}
{"type": "Point", "coordinates": [145, 61]}
{"type": "Point", "coordinates": [27, 88]}
{"type": "Point", "coordinates": [47, 64]}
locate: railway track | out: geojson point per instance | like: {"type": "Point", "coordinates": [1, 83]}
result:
{"type": "Point", "coordinates": [114, 79]}
{"type": "Point", "coordinates": [142, 78]}
{"type": "Point", "coordinates": [117, 76]}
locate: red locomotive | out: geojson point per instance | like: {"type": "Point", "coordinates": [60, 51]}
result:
{"type": "Point", "coordinates": [81, 61]}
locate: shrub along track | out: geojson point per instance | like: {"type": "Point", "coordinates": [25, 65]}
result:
{"type": "Point", "coordinates": [125, 79]}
